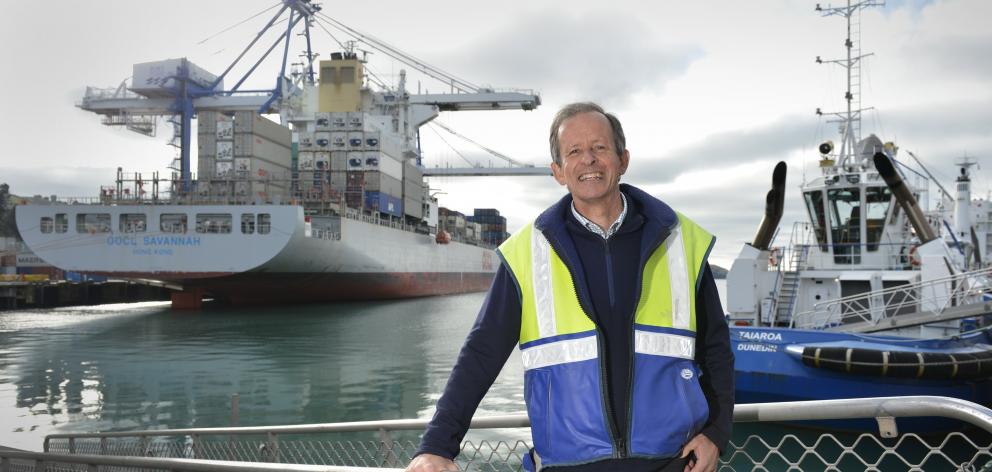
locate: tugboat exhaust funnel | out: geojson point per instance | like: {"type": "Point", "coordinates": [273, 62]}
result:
{"type": "Point", "coordinates": [904, 197]}
{"type": "Point", "coordinates": [774, 203]}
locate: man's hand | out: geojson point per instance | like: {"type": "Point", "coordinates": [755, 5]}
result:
{"type": "Point", "coordinates": [706, 454]}
{"type": "Point", "coordinates": [433, 463]}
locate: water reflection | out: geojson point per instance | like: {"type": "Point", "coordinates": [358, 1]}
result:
{"type": "Point", "coordinates": [146, 367]}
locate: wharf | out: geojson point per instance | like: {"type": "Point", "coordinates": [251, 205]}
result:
{"type": "Point", "coordinates": [57, 293]}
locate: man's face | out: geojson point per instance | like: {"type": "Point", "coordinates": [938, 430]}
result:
{"type": "Point", "coordinates": [590, 166]}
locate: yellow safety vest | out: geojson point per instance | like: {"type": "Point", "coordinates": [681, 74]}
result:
{"type": "Point", "coordinates": [564, 383]}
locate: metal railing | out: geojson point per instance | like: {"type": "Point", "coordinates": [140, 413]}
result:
{"type": "Point", "coordinates": [926, 299]}
{"type": "Point", "coordinates": [300, 444]}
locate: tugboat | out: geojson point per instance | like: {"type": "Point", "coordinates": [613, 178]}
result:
{"type": "Point", "coordinates": [873, 295]}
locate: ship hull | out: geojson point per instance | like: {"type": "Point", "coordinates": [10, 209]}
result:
{"type": "Point", "coordinates": [293, 260]}
{"type": "Point", "coordinates": [766, 371]}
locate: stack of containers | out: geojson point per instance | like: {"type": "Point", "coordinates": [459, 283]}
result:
{"type": "Point", "coordinates": [452, 221]}
{"type": "Point", "coordinates": [215, 152]}
{"type": "Point", "coordinates": [413, 190]}
{"type": "Point", "coordinates": [492, 226]}
{"type": "Point", "coordinates": [262, 156]}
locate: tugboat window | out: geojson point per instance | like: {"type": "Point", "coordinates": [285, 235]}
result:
{"type": "Point", "coordinates": [845, 224]}
{"type": "Point", "coordinates": [877, 202]}
{"type": "Point", "coordinates": [814, 203]}
{"type": "Point", "coordinates": [47, 224]}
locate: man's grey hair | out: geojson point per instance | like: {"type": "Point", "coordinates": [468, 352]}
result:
{"type": "Point", "coordinates": [572, 109]}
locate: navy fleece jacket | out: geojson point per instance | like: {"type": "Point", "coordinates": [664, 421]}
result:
{"type": "Point", "coordinates": [608, 272]}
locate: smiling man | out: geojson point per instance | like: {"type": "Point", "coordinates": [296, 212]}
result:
{"type": "Point", "coordinates": [608, 294]}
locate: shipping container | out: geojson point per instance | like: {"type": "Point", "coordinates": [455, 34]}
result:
{"type": "Point", "coordinates": [413, 173]}
{"type": "Point", "coordinates": [356, 121]}
{"type": "Point", "coordinates": [486, 212]}
{"type": "Point", "coordinates": [375, 160]}
{"type": "Point", "coordinates": [306, 160]}
{"type": "Point", "coordinates": [322, 160]}
{"type": "Point", "coordinates": [339, 180]}
{"type": "Point", "coordinates": [306, 141]}
{"type": "Point", "coordinates": [376, 181]}
{"type": "Point", "coordinates": [225, 150]}
{"type": "Point", "coordinates": [322, 121]}
{"type": "Point", "coordinates": [206, 122]}
{"type": "Point", "coordinates": [224, 170]}
{"type": "Point", "coordinates": [206, 145]}
{"type": "Point", "coordinates": [257, 147]}
{"type": "Point", "coordinates": [205, 167]}
{"type": "Point", "coordinates": [413, 208]}
{"type": "Point", "coordinates": [158, 78]}
{"type": "Point", "coordinates": [247, 122]}
{"type": "Point", "coordinates": [339, 160]}
{"type": "Point", "coordinates": [322, 140]}
{"type": "Point", "coordinates": [356, 160]}
{"type": "Point", "coordinates": [225, 130]}
{"type": "Point", "coordinates": [242, 167]}
{"type": "Point", "coordinates": [384, 203]}
{"type": "Point", "coordinates": [339, 140]}
{"type": "Point", "coordinates": [371, 140]}
{"type": "Point", "coordinates": [356, 140]}
{"type": "Point", "coordinates": [339, 121]}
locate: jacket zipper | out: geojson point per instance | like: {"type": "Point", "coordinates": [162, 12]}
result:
{"type": "Point", "coordinates": [619, 446]}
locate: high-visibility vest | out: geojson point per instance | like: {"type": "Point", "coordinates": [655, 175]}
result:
{"type": "Point", "coordinates": [564, 382]}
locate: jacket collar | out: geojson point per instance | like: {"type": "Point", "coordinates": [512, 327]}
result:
{"type": "Point", "coordinates": [658, 215]}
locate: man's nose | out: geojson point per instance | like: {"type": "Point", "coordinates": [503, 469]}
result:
{"type": "Point", "coordinates": [588, 156]}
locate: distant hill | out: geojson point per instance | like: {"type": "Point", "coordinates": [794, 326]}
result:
{"type": "Point", "coordinates": [718, 272]}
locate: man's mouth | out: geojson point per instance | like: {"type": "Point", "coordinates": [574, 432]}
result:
{"type": "Point", "coordinates": [591, 176]}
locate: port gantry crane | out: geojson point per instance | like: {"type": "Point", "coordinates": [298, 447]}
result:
{"type": "Point", "coordinates": [178, 89]}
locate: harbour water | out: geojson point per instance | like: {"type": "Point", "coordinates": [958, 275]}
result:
{"type": "Point", "coordinates": [144, 366]}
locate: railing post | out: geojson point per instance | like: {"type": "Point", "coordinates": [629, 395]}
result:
{"type": "Point", "coordinates": [103, 446]}
{"type": "Point", "coordinates": [273, 447]}
{"type": "Point", "coordinates": [388, 456]}
{"type": "Point", "coordinates": [143, 446]}
{"type": "Point", "coordinates": [72, 445]}
{"type": "Point", "coordinates": [196, 445]}
{"type": "Point", "coordinates": [40, 466]}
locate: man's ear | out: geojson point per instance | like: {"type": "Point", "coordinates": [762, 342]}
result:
{"type": "Point", "coordinates": [558, 173]}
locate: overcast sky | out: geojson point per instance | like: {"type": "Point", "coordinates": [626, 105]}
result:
{"type": "Point", "coordinates": [711, 94]}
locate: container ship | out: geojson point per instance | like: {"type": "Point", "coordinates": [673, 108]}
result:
{"type": "Point", "coordinates": [327, 204]}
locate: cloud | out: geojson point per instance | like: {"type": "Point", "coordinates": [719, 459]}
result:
{"type": "Point", "coordinates": [773, 141]}
{"type": "Point", "coordinates": [604, 56]}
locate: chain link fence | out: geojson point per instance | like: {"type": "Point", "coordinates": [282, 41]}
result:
{"type": "Point", "coordinates": [756, 446]}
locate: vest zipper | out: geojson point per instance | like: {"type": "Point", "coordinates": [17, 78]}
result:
{"type": "Point", "coordinates": [637, 297]}
{"type": "Point", "coordinates": [619, 446]}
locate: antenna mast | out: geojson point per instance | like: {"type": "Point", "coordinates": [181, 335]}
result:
{"type": "Point", "coordinates": [850, 119]}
